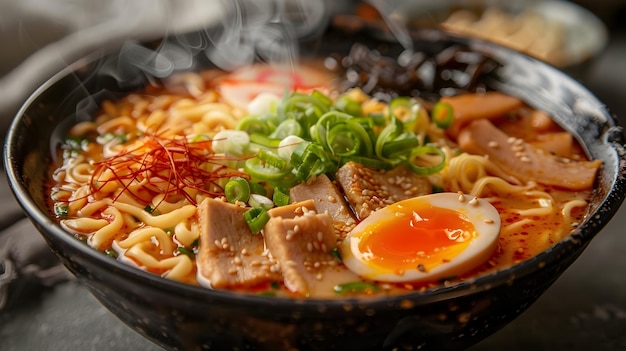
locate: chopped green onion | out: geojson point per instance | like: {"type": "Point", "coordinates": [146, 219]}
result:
{"type": "Point", "coordinates": [260, 171]}
{"type": "Point", "coordinates": [348, 105]}
{"type": "Point", "coordinates": [181, 250]}
{"type": "Point", "coordinates": [422, 150]}
{"type": "Point", "coordinates": [231, 142]}
{"type": "Point", "coordinates": [281, 196]}
{"type": "Point", "coordinates": [257, 200]}
{"type": "Point", "coordinates": [309, 159]}
{"type": "Point", "coordinates": [355, 287]}
{"type": "Point", "coordinates": [287, 145]}
{"type": "Point", "coordinates": [298, 103]}
{"type": "Point", "coordinates": [111, 253]}
{"type": "Point", "coordinates": [286, 128]}
{"type": "Point", "coordinates": [443, 114]}
{"type": "Point", "coordinates": [151, 210]}
{"type": "Point", "coordinates": [254, 124]}
{"type": "Point", "coordinates": [61, 210]}
{"type": "Point", "coordinates": [405, 110]}
{"type": "Point", "coordinates": [394, 148]}
{"type": "Point", "coordinates": [256, 218]}
{"type": "Point", "coordinates": [319, 132]}
{"type": "Point", "coordinates": [272, 159]}
{"type": "Point", "coordinates": [335, 253]}
{"type": "Point", "coordinates": [389, 133]}
{"type": "Point", "coordinates": [257, 188]}
{"type": "Point", "coordinates": [237, 189]}
{"type": "Point", "coordinates": [263, 140]}
{"type": "Point", "coordinates": [322, 98]}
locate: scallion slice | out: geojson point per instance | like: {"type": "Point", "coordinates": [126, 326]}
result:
{"type": "Point", "coordinates": [443, 114]}
{"type": "Point", "coordinates": [426, 170]}
{"type": "Point", "coordinates": [237, 189]}
{"type": "Point", "coordinates": [355, 287]}
{"type": "Point", "coordinates": [281, 196]}
{"type": "Point", "coordinates": [256, 217]}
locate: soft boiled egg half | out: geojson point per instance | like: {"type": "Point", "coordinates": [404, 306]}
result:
{"type": "Point", "coordinates": [424, 238]}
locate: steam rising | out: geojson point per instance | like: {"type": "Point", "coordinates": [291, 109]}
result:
{"type": "Point", "coordinates": [249, 31]}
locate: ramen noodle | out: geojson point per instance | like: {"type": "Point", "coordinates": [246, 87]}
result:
{"type": "Point", "coordinates": [231, 181]}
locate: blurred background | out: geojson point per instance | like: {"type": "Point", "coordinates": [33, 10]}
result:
{"type": "Point", "coordinates": [585, 309]}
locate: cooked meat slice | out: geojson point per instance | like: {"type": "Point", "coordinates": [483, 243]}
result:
{"type": "Point", "coordinates": [368, 189]}
{"type": "Point", "coordinates": [524, 161]}
{"type": "Point", "coordinates": [328, 200]}
{"type": "Point", "coordinates": [302, 245]}
{"type": "Point", "coordinates": [469, 107]}
{"type": "Point", "coordinates": [230, 254]}
{"type": "Point", "coordinates": [292, 210]}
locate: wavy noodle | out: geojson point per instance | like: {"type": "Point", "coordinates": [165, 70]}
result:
{"type": "Point", "coordinates": [176, 267]}
{"type": "Point", "coordinates": [103, 236]}
{"type": "Point", "coordinates": [118, 124]}
{"type": "Point", "coordinates": [80, 173]}
{"type": "Point", "coordinates": [545, 204]}
{"type": "Point", "coordinates": [85, 225]}
{"type": "Point", "coordinates": [166, 220]}
{"type": "Point", "coordinates": [186, 232]}
{"type": "Point", "coordinates": [569, 206]}
{"type": "Point", "coordinates": [92, 208]}
{"type": "Point", "coordinates": [147, 234]}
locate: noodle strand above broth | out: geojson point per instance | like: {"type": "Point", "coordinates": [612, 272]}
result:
{"type": "Point", "coordinates": [231, 181]}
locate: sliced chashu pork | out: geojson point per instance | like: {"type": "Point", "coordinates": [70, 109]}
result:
{"type": "Point", "coordinates": [302, 241]}
{"type": "Point", "coordinates": [327, 199]}
{"type": "Point", "coordinates": [369, 189]}
{"type": "Point", "coordinates": [523, 160]}
{"type": "Point", "coordinates": [230, 255]}
{"type": "Point", "coordinates": [469, 107]}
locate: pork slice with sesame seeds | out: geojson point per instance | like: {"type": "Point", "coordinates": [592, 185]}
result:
{"type": "Point", "coordinates": [303, 246]}
{"type": "Point", "coordinates": [327, 199]}
{"type": "Point", "coordinates": [369, 189]}
{"type": "Point", "coordinates": [230, 255]}
{"type": "Point", "coordinates": [294, 209]}
{"type": "Point", "coordinates": [524, 161]}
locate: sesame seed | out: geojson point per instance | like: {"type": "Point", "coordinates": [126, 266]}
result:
{"type": "Point", "coordinates": [237, 260]}
{"type": "Point", "coordinates": [461, 196]}
{"type": "Point", "coordinates": [488, 221]}
{"type": "Point", "coordinates": [474, 201]}
{"type": "Point", "coordinates": [309, 247]}
{"type": "Point", "coordinates": [319, 276]}
{"type": "Point", "coordinates": [493, 145]}
{"type": "Point", "coordinates": [320, 236]}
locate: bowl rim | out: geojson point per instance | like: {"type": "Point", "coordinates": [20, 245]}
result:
{"type": "Point", "coordinates": [575, 241]}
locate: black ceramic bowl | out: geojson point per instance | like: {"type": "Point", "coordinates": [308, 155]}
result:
{"type": "Point", "coordinates": [184, 317]}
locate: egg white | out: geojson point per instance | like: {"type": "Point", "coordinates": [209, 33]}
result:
{"type": "Point", "coordinates": [481, 213]}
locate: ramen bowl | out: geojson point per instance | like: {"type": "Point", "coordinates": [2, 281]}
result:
{"type": "Point", "coordinates": [178, 316]}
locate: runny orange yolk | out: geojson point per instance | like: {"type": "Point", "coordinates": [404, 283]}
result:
{"type": "Point", "coordinates": [416, 239]}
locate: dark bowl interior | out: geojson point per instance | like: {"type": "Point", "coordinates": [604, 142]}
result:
{"type": "Point", "coordinates": [183, 317]}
